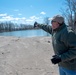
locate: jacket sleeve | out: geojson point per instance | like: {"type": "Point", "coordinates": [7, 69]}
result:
{"type": "Point", "coordinates": [46, 28]}
{"type": "Point", "coordinates": [71, 44]}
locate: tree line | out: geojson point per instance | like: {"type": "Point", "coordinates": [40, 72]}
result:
{"type": "Point", "coordinates": [9, 26]}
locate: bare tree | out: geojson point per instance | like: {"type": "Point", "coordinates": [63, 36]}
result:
{"type": "Point", "coordinates": [46, 20]}
{"type": "Point", "coordinates": [69, 12]}
{"type": "Point", "coordinates": [74, 10]}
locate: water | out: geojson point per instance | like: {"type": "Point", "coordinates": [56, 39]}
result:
{"type": "Point", "coordinates": [25, 33]}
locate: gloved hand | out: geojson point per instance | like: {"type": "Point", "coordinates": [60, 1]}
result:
{"type": "Point", "coordinates": [35, 24]}
{"type": "Point", "coordinates": [56, 59]}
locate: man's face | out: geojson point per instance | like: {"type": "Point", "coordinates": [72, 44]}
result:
{"type": "Point", "coordinates": [54, 25]}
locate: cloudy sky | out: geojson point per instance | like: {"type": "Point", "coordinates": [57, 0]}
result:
{"type": "Point", "coordinates": [29, 11]}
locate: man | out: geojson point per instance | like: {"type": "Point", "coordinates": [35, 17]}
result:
{"type": "Point", "coordinates": [64, 45]}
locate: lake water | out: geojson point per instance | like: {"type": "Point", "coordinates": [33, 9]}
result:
{"type": "Point", "coordinates": [26, 33]}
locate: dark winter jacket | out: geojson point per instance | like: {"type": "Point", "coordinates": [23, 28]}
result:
{"type": "Point", "coordinates": [64, 44]}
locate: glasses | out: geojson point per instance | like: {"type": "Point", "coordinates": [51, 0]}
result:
{"type": "Point", "coordinates": [52, 21]}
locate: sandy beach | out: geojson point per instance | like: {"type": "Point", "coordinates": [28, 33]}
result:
{"type": "Point", "coordinates": [26, 56]}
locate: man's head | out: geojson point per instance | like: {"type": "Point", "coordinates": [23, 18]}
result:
{"type": "Point", "coordinates": [56, 21]}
